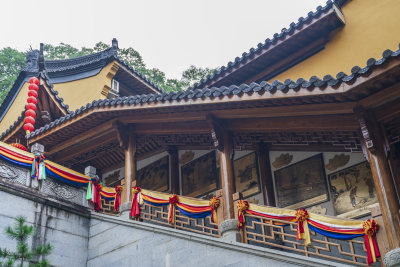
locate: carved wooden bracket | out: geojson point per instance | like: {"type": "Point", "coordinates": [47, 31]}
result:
{"type": "Point", "coordinates": [123, 132]}
{"type": "Point", "coordinates": [216, 132]}
{"type": "Point", "coordinates": [366, 128]}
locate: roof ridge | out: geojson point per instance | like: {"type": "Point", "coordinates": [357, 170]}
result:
{"type": "Point", "coordinates": [268, 42]}
{"type": "Point", "coordinates": [215, 92]}
{"type": "Point", "coordinates": [106, 52]}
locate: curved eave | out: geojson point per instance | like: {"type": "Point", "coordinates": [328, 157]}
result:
{"type": "Point", "coordinates": [299, 35]}
{"type": "Point", "coordinates": [354, 88]}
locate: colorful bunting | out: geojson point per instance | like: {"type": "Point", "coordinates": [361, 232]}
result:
{"type": "Point", "coordinates": [330, 227]}
{"type": "Point", "coordinates": [38, 168]}
{"type": "Point", "coordinates": [190, 207]}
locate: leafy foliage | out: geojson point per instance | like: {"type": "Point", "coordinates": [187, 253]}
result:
{"type": "Point", "coordinates": [20, 233]}
{"type": "Point", "coordinates": [12, 61]}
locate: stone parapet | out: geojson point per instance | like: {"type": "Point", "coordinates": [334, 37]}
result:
{"type": "Point", "coordinates": [392, 258]}
{"type": "Point", "coordinates": [229, 230]}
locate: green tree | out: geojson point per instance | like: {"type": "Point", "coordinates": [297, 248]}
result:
{"type": "Point", "coordinates": [23, 255]}
{"type": "Point", "coordinates": [194, 74]}
{"type": "Point", "coordinates": [11, 63]}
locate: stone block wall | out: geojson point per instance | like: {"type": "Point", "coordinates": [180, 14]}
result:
{"type": "Point", "coordinates": [115, 241]}
{"type": "Point", "coordinates": [58, 221]}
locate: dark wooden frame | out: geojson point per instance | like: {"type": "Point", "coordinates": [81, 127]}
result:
{"type": "Point", "coordinates": [214, 166]}
{"type": "Point", "coordinates": [330, 191]}
{"type": "Point", "coordinates": [323, 173]}
{"type": "Point", "coordinates": [168, 174]}
{"type": "Point", "coordinates": [257, 171]}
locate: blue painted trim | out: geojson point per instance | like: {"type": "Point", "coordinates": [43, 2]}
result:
{"type": "Point", "coordinates": [75, 77]}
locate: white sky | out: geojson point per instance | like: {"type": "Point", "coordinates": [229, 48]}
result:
{"type": "Point", "coordinates": [169, 34]}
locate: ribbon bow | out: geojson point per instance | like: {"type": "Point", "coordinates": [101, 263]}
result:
{"type": "Point", "coordinates": [302, 226]}
{"type": "Point", "coordinates": [91, 188]}
{"type": "Point", "coordinates": [97, 198]}
{"type": "Point", "coordinates": [135, 211]}
{"type": "Point", "coordinates": [117, 198]}
{"type": "Point", "coordinates": [242, 206]}
{"type": "Point", "coordinates": [171, 215]}
{"type": "Point", "coordinates": [38, 168]}
{"type": "Point", "coordinates": [370, 229]}
{"type": "Point", "coordinates": [214, 204]}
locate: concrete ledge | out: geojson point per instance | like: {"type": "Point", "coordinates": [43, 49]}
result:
{"type": "Point", "coordinates": [392, 258]}
{"type": "Point", "coordinates": [229, 230]}
{"type": "Point", "coordinates": [267, 253]}
{"type": "Point", "coordinates": [36, 196]}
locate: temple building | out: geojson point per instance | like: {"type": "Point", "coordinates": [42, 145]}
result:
{"type": "Point", "coordinates": [308, 120]}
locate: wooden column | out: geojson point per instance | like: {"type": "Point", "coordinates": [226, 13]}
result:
{"type": "Point", "coordinates": [394, 161]}
{"type": "Point", "coordinates": [127, 140]}
{"type": "Point", "coordinates": [375, 149]}
{"type": "Point", "coordinates": [174, 165]}
{"type": "Point", "coordinates": [224, 144]}
{"type": "Point", "coordinates": [130, 164]}
{"type": "Point", "coordinates": [226, 155]}
{"type": "Point", "coordinates": [264, 167]}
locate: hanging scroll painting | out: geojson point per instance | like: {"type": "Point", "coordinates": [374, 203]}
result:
{"type": "Point", "coordinates": [353, 191]}
{"type": "Point", "coordinates": [155, 176]}
{"type": "Point", "coordinates": [246, 175]}
{"type": "Point", "coordinates": [199, 176]}
{"type": "Point", "coordinates": [302, 184]}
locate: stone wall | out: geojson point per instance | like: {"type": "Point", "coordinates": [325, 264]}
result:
{"type": "Point", "coordinates": [58, 221]}
{"type": "Point", "coordinates": [116, 241]}
{"type": "Point", "coordinates": [84, 238]}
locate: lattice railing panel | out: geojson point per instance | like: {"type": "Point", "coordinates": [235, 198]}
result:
{"type": "Point", "coordinates": [159, 215]}
{"type": "Point", "coordinates": [107, 206]}
{"type": "Point", "coordinates": [278, 234]}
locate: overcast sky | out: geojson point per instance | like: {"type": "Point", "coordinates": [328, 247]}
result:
{"type": "Point", "coordinates": [169, 34]}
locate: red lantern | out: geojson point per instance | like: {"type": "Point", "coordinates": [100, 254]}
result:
{"type": "Point", "coordinates": [33, 86]}
{"type": "Point", "coordinates": [31, 106]}
{"type": "Point", "coordinates": [32, 93]}
{"type": "Point", "coordinates": [30, 113]}
{"type": "Point", "coordinates": [32, 99]}
{"type": "Point", "coordinates": [30, 120]}
{"type": "Point", "coordinates": [28, 128]}
{"type": "Point", "coordinates": [34, 80]}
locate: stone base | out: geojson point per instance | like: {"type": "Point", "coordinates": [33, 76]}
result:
{"type": "Point", "coordinates": [392, 258]}
{"type": "Point", "coordinates": [229, 230]}
{"type": "Point", "coordinates": [125, 210]}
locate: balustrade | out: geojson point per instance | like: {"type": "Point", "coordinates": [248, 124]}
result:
{"type": "Point", "coordinates": [277, 229]}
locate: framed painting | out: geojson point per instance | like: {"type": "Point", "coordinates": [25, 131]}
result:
{"type": "Point", "coordinates": [199, 176]}
{"type": "Point", "coordinates": [302, 184]}
{"type": "Point", "coordinates": [353, 191]}
{"type": "Point", "coordinates": [246, 175]}
{"type": "Point", "coordinates": [155, 176]}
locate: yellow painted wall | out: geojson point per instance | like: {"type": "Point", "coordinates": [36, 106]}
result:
{"type": "Point", "coordinates": [16, 108]}
{"type": "Point", "coordinates": [372, 26]}
{"type": "Point", "coordinates": [75, 93]}
{"type": "Point", "coordinates": [80, 92]}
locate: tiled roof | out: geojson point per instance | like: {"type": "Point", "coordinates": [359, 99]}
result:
{"type": "Point", "coordinates": [248, 56]}
{"type": "Point", "coordinates": [56, 68]}
{"type": "Point", "coordinates": [213, 93]}
{"type": "Point", "coordinates": [21, 117]}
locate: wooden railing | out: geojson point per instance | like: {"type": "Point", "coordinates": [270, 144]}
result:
{"type": "Point", "coordinates": [159, 215]}
{"type": "Point", "coordinates": [107, 207]}
{"type": "Point", "coordinates": [281, 235]}
{"type": "Point", "coordinates": [257, 230]}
